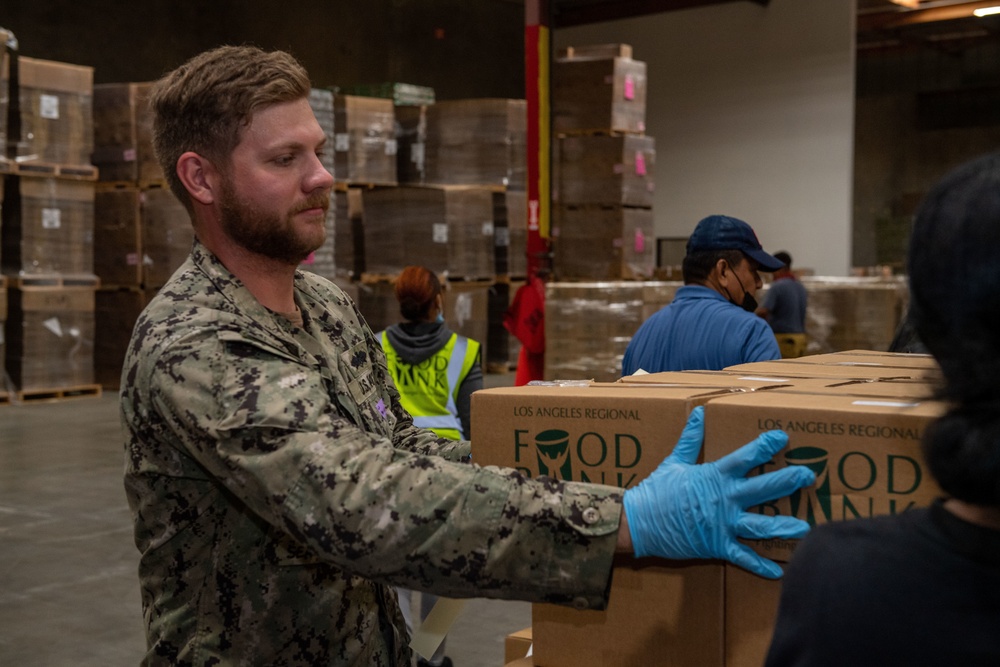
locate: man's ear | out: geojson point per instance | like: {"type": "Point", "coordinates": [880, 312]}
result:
{"type": "Point", "coordinates": [198, 175]}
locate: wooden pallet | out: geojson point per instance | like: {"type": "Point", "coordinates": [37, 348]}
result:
{"type": "Point", "coordinates": [80, 172]}
{"type": "Point", "coordinates": [4, 398]}
{"type": "Point", "coordinates": [499, 367]}
{"type": "Point", "coordinates": [44, 395]}
{"type": "Point", "coordinates": [54, 280]}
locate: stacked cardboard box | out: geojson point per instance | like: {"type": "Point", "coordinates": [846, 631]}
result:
{"type": "Point", "coordinates": [448, 229]}
{"type": "Point", "coordinates": [857, 430]}
{"type": "Point", "coordinates": [588, 325]}
{"type": "Point", "coordinates": [4, 397]}
{"type": "Point", "coordinates": [364, 140]}
{"type": "Point", "coordinates": [401, 94]}
{"type": "Point", "coordinates": [50, 337]}
{"type": "Point", "coordinates": [6, 47]}
{"type": "Point", "coordinates": [510, 233]}
{"type": "Point", "coordinates": [411, 141]}
{"type": "Point", "coordinates": [123, 135]}
{"type": "Point", "coordinates": [349, 242]}
{"type": "Point", "coordinates": [602, 223]}
{"type": "Point", "coordinates": [56, 115]}
{"type": "Point", "coordinates": [477, 142]}
{"type": "Point", "coordinates": [323, 261]}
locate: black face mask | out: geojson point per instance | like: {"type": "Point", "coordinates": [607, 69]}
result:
{"type": "Point", "coordinates": [749, 303]}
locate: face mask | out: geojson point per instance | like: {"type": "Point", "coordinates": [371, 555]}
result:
{"type": "Point", "coordinates": [749, 303]}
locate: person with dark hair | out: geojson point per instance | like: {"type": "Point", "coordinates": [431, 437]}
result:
{"type": "Point", "coordinates": [435, 371]}
{"type": "Point", "coordinates": [710, 324]}
{"type": "Point", "coordinates": [279, 489]}
{"type": "Point", "coordinates": [923, 587]}
{"type": "Point", "coordinates": [784, 308]}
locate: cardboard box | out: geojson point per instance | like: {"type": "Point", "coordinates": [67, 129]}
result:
{"type": "Point", "coordinates": [795, 368]}
{"type": "Point", "coordinates": [477, 142]}
{"type": "Point", "coordinates": [365, 140]}
{"type": "Point", "coordinates": [526, 661]}
{"type": "Point", "coordinates": [401, 94]}
{"type": "Point", "coordinates": [349, 234]}
{"type": "Point", "coordinates": [603, 243]}
{"type": "Point", "coordinates": [516, 645]}
{"type": "Point", "coordinates": [853, 313]}
{"type": "Point", "coordinates": [50, 337]}
{"type": "Point", "coordinates": [448, 229]}
{"type": "Point", "coordinates": [116, 312]}
{"type": "Point", "coordinates": [321, 103]}
{"type": "Point", "coordinates": [611, 170]}
{"type": "Point", "coordinates": [864, 451]}
{"type": "Point", "coordinates": [56, 104]}
{"type": "Point", "coordinates": [123, 134]}
{"type": "Point", "coordinates": [662, 614]}
{"type": "Point", "coordinates": [510, 233]}
{"type": "Point", "coordinates": [751, 610]}
{"type": "Point", "coordinates": [591, 94]}
{"type": "Point", "coordinates": [48, 226]}
{"type": "Point", "coordinates": [6, 37]}
{"type": "Point", "coordinates": [411, 143]}
{"type": "Point", "coordinates": [142, 236]}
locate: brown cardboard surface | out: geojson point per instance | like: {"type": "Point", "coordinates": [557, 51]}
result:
{"type": "Point", "coordinates": [612, 434]}
{"type": "Point", "coordinates": [751, 609]}
{"type": "Point", "coordinates": [865, 451]}
{"type": "Point", "coordinates": [52, 75]}
{"type": "Point", "coordinates": [521, 662]}
{"type": "Point", "coordinates": [792, 368]}
{"type": "Point", "coordinates": [516, 645]}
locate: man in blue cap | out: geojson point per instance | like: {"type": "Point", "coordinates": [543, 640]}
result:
{"type": "Point", "coordinates": [711, 322]}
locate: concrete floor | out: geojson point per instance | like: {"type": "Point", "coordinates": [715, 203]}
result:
{"type": "Point", "coordinates": [69, 592]}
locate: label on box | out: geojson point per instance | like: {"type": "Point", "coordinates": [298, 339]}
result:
{"type": "Point", "coordinates": [640, 163]}
{"type": "Point", "coordinates": [501, 237]}
{"type": "Point", "coordinates": [48, 107]}
{"type": "Point", "coordinates": [440, 232]}
{"type": "Point", "coordinates": [640, 242]}
{"type": "Point", "coordinates": [488, 228]}
{"type": "Point", "coordinates": [132, 259]}
{"type": "Point", "coordinates": [390, 147]}
{"type": "Point", "coordinates": [51, 218]}
{"type": "Point", "coordinates": [629, 87]}
{"type": "Point", "coordinates": [129, 155]}
{"type": "Point", "coordinates": [417, 154]}
{"type": "Point", "coordinates": [52, 324]}
{"type": "Point", "coordinates": [341, 143]}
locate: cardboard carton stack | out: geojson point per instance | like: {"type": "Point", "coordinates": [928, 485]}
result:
{"type": "Point", "coordinates": [588, 325]}
{"type": "Point", "coordinates": [856, 418]}
{"type": "Point", "coordinates": [323, 260]}
{"type": "Point", "coordinates": [365, 140]}
{"type": "Point", "coordinates": [349, 241]}
{"type": "Point", "coordinates": [7, 46]}
{"type": "Point", "coordinates": [603, 166]}
{"type": "Point", "coordinates": [47, 230]}
{"type": "Point", "coordinates": [142, 233]}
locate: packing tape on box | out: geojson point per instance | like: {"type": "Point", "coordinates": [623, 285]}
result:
{"type": "Point", "coordinates": [435, 627]}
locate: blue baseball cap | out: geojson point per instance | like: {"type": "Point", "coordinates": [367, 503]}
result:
{"type": "Point", "coordinates": [721, 232]}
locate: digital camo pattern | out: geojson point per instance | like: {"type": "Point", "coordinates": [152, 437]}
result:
{"type": "Point", "coordinates": [279, 491]}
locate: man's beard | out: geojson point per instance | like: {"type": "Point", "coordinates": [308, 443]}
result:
{"type": "Point", "coordinates": [268, 234]}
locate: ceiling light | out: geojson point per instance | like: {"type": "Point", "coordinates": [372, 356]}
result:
{"type": "Point", "coordinates": [986, 11]}
{"type": "Point", "coordinates": [912, 4]}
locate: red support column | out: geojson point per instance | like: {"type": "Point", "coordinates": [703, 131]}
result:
{"type": "Point", "coordinates": [536, 82]}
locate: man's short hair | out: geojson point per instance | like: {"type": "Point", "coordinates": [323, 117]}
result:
{"type": "Point", "coordinates": [204, 104]}
{"type": "Point", "coordinates": [699, 264]}
{"type": "Point", "coordinates": [784, 258]}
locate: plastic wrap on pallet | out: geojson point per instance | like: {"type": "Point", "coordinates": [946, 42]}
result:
{"type": "Point", "coordinates": [123, 134]}
{"type": "Point", "coordinates": [853, 313]}
{"type": "Point", "coordinates": [364, 140]}
{"type": "Point", "coordinates": [477, 142]}
{"type": "Point", "coordinates": [411, 143]}
{"type": "Point", "coordinates": [48, 226]}
{"type": "Point", "coordinates": [56, 104]}
{"type": "Point", "coordinates": [401, 94]}
{"type": "Point", "coordinates": [510, 222]}
{"type": "Point", "coordinates": [448, 229]}
{"type": "Point", "coordinates": [8, 44]}
{"type": "Point", "coordinates": [349, 237]}
{"type": "Point", "coordinates": [588, 325]}
{"type": "Point", "coordinates": [50, 337]}
{"type": "Point", "coordinates": [116, 312]}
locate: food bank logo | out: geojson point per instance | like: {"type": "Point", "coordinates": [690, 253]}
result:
{"type": "Point", "coordinates": [601, 458]}
{"type": "Point", "coordinates": [850, 485]}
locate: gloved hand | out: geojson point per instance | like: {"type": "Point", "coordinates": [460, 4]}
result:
{"type": "Point", "coordinates": [684, 510]}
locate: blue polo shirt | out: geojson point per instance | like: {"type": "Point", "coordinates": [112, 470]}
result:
{"type": "Point", "coordinates": [699, 330]}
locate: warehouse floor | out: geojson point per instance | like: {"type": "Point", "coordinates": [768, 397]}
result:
{"type": "Point", "coordinates": [69, 592]}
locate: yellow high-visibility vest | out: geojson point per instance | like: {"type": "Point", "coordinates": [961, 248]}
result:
{"type": "Point", "coordinates": [429, 390]}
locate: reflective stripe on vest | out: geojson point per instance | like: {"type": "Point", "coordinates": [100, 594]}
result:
{"type": "Point", "coordinates": [456, 362]}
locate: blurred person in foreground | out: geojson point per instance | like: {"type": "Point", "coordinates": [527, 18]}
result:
{"type": "Point", "coordinates": [435, 372]}
{"type": "Point", "coordinates": [784, 308]}
{"type": "Point", "coordinates": [710, 324]}
{"type": "Point", "coordinates": [923, 587]}
{"type": "Point", "coordinates": [278, 488]}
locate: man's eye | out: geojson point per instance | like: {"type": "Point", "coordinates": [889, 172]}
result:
{"type": "Point", "coordinates": [284, 160]}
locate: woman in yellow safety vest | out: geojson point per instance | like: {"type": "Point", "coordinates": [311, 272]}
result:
{"type": "Point", "coordinates": [435, 371]}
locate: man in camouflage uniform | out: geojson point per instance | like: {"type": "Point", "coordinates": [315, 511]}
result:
{"type": "Point", "coordinates": [278, 489]}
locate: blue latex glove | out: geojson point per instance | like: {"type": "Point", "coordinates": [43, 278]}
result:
{"type": "Point", "coordinates": [684, 510]}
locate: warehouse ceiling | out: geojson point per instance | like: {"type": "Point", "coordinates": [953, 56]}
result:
{"type": "Point", "coordinates": [946, 25]}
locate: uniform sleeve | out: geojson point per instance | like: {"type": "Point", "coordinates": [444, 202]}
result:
{"type": "Point", "coordinates": [266, 429]}
{"type": "Point", "coordinates": [760, 345]}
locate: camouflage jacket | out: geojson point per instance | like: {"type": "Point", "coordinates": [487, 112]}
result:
{"type": "Point", "coordinates": [279, 491]}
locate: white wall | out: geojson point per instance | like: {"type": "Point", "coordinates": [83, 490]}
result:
{"type": "Point", "coordinates": [752, 109]}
